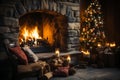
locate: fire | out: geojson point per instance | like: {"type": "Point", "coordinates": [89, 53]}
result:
{"type": "Point", "coordinates": [48, 31]}
{"type": "Point", "coordinates": [25, 33]}
{"type": "Point", "coordinates": [35, 33]}
{"type": "Point", "coordinates": [69, 58]}
{"type": "Point", "coordinates": [57, 52]}
{"type": "Point", "coordinates": [99, 45]}
{"type": "Point", "coordinates": [29, 34]}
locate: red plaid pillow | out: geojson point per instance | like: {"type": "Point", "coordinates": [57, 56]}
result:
{"type": "Point", "coordinates": [20, 54]}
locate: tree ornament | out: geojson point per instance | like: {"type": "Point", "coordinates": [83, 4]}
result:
{"type": "Point", "coordinates": [92, 26]}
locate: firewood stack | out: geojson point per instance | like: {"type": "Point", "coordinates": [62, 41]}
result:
{"type": "Point", "coordinates": [60, 66]}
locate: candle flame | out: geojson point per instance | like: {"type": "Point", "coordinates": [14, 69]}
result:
{"type": "Point", "coordinates": [99, 45]}
{"type": "Point", "coordinates": [69, 58]}
{"type": "Point", "coordinates": [57, 52]}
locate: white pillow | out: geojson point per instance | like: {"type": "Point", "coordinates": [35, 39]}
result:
{"type": "Point", "coordinates": [30, 54]}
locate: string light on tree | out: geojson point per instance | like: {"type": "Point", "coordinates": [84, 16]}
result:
{"type": "Point", "coordinates": [92, 30]}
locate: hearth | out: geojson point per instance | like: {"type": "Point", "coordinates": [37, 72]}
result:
{"type": "Point", "coordinates": [43, 31]}
{"type": "Point", "coordinates": [54, 12]}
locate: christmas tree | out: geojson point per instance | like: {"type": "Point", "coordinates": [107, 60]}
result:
{"type": "Point", "coordinates": [92, 31]}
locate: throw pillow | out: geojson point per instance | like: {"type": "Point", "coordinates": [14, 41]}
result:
{"type": "Point", "coordinates": [20, 54]}
{"type": "Point", "coordinates": [31, 55]}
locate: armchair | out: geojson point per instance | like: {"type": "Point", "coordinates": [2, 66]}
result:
{"type": "Point", "coordinates": [20, 71]}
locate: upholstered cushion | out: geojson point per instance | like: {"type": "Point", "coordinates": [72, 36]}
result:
{"type": "Point", "coordinates": [31, 55]}
{"type": "Point", "coordinates": [31, 67]}
{"type": "Point", "coordinates": [20, 54]}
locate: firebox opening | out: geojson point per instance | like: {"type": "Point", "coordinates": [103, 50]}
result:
{"type": "Point", "coordinates": [45, 30]}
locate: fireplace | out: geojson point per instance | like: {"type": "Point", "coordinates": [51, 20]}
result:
{"type": "Point", "coordinates": [45, 30]}
{"type": "Point", "coordinates": [63, 14]}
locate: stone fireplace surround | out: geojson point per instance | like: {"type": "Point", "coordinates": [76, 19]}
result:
{"type": "Point", "coordinates": [12, 10]}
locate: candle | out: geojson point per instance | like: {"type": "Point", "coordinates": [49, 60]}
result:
{"type": "Point", "coordinates": [57, 52]}
{"type": "Point", "coordinates": [69, 58]}
{"type": "Point", "coordinates": [99, 45]}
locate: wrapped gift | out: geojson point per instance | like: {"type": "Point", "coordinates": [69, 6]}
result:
{"type": "Point", "coordinates": [61, 71]}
